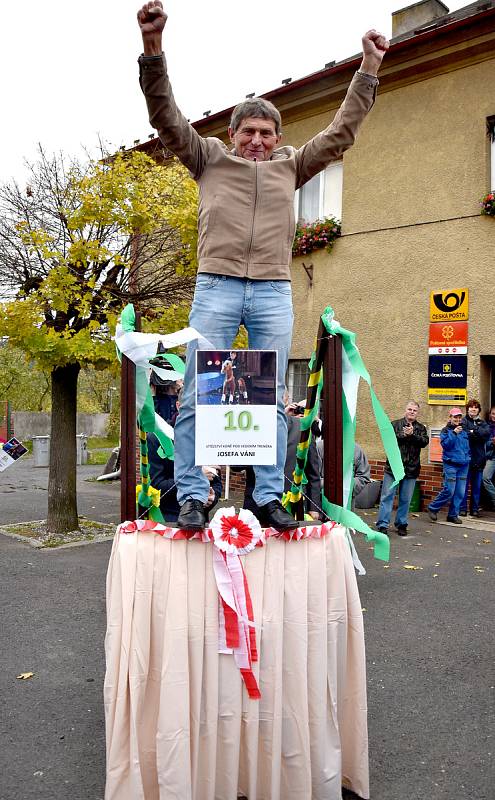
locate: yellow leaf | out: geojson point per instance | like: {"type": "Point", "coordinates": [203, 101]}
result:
{"type": "Point", "coordinates": [465, 535]}
{"type": "Point", "coordinates": [417, 544]}
{"type": "Point", "coordinates": [24, 676]}
{"type": "Point", "coordinates": [437, 564]}
{"type": "Point", "coordinates": [435, 574]}
{"type": "Point", "coordinates": [364, 609]}
{"type": "Point", "coordinates": [410, 566]}
{"type": "Point", "coordinates": [486, 541]}
{"type": "Point", "coordinates": [386, 566]}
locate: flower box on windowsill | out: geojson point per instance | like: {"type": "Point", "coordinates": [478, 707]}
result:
{"type": "Point", "coordinates": [316, 236]}
{"type": "Point", "coordinates": [487, 204]}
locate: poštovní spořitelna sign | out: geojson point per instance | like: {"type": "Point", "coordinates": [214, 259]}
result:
{"type": "Point", "coordinates": [448, 338]}
{"type": "Point", "coordinates": [450, 305]}
{"type": "Point", "coordinates": [236, 407]}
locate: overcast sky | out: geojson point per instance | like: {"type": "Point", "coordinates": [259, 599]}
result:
{"type": "Point", "coordinates": [69, 69]}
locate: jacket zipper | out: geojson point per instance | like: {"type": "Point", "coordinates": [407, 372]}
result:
{"type": "Point", "coordinates": [254, 214]}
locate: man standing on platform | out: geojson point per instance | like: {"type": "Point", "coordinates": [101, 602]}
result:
{"type": "Point", "coordinates": [412, 436]}
{"type": "Point", "coordinates": [246, 229]}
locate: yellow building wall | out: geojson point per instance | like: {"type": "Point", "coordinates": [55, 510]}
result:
{"type": "Point", "coordinates": [422, 156]}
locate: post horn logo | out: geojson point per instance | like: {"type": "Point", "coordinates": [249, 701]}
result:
{"type": "Point", "coordinates": [447, 367]}
{"type": "Point", "coordinates": [449, 302]}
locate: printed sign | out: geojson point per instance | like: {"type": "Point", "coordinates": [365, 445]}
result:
{"type": "Point", "coordinates": [9, 453]}
{"type": "Point", "coordinates": [447, 397]}
{"type": "Point", "coordinates": [450, 305]}
{"type": "Point", "coordinates": [236, 407]}
{"type": "Point", "coordinates": [447, 372]}
{"type": "Point", "coordinates": [448, 338]}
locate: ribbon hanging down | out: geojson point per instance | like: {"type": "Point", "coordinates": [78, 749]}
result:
{"type": "Point", "coordinates": [353, 369]}
{"type": "Point", "coordinates": [140, 348]}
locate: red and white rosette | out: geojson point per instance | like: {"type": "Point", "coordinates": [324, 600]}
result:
{"type": "Point", "coordinates": [234, 535]}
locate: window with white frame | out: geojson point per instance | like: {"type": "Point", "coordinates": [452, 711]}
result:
{"type": "Point", "coordinates": [297, 380]}
{"type": "Point", "coordinates": [321, 196]}
{"type": "Point", "coordinates": [491, 133]}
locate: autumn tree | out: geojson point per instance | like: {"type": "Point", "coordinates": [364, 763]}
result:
{"type": "Point", "coordinates": [26, 386]}
{"type": "Point", "coordinates": [77, 244]}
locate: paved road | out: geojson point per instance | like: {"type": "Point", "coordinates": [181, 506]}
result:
{"type": "Point", "coordinates": [24, 496]}
{"type": "Point", "coordinates": [430, 652]}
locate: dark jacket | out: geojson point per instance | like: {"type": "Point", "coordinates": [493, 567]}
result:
{"type": "Point", "coordinates": [311, 489]}
{"type": "Point", "coordinates": [162, 477]}
{"type": "Point", "coordinates": [478, 432]}
{"type": "Point", "coordinates": [410, 447]}
{"type": "Point", "coordinates": [490, 447]}
{"type": "Point", "coordinates": [455, 446]}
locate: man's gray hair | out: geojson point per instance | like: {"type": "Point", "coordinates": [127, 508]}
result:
{"type": "Point", "coordinates": [256, 107]}
{"type": "Point", "coordinates": [413, 403]}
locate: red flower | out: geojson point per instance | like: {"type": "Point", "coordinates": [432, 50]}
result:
{"type": "Point", "coordinates": [236, 532]}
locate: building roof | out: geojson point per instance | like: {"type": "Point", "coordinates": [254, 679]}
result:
{"type": "Point", "coordinates": [297, 96]}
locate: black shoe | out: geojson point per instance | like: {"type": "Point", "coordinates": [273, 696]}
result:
{"type": "Point", "coordinates": [432, 515]}
{"type": "Point", "coordinates": [274, 515]}
{"type": "Point", "coordinates": [382, 529]}
{"type": "Point", "coordinates": [192, 516]}
{"type": "Point", "coordinates": [455, 520]}
{"type": "Point", "coordinates": [401, 530]}
{"type": "Point", "coordinates": [463, 513]}
{"type": "Point", "coordinates": [475, 514]}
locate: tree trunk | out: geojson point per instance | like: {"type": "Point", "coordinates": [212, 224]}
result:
{"type": "Point", "coordinates": [62, 496]}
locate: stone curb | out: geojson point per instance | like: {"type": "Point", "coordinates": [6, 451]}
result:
{"type": "Point", "coordinates": [39, 545]}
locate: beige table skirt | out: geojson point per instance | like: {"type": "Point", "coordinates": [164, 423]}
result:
{"type": "Point", "coordinates": [179, 722]}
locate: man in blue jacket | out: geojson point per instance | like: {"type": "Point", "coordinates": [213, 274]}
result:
{"type": "Point", "coordinates": [456, 457]}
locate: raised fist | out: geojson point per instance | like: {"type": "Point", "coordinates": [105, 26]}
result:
{"type": "Point", "coordinates": [375, 44]}
{"type": "Point", "coordinates": [151, 18]}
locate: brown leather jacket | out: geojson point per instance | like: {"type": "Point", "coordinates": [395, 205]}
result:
{"type": "Point", "coordinates": [246, 209]}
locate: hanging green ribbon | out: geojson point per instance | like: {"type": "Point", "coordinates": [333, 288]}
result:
{"type": "Point", "coordinates": [145, 495]}
{"type": "Point", "coordinates": [148, 421]}
{"type": "Point", "coordinates": [353, 369]}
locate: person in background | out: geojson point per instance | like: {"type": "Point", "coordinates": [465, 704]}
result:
{"type": "Point", "coordinates": [478, 432]}
{"type": "Point", "coordinates": [162, 478]}
{"type": "Point", "coordinates": [412, 436]}
{"type": "Point", "coordinates": [311, 490]}
{"type": "Point", "coordinates": [489, 471]}
{"type": "Point", "coordinates": [456, 457]}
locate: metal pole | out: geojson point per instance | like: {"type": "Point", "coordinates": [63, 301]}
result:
{"type": "Point", "coordinates": [128, 436]}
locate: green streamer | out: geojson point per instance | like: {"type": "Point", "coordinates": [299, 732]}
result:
{"type": "Point", "coordinates": [387, 433]}
{"type": "Point", "coordinates": [347, 518]}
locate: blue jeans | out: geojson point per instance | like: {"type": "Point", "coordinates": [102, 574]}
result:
{"type": "Point", "coordinates": [474, 478]}
{"type": "Point", "coordinates": [406, 489]}
{"type": "Point", "coordinates": [453, 490]}
{"type": "Point", "coordinates": [220, 305]}
{"type": "Point", "coordinates": [488, 474]}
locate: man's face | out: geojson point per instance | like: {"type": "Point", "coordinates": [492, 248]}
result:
{"type": "Point", "coordinates": [255, 138]}
{"type": "Point", "coordinates": [455, 421]}
{"type": "Point", "coordinates": [473, 411]}
{"type": "Point", "coordinates": [411, 412]}
{"type": "Point", "coordinates": [492, 415]}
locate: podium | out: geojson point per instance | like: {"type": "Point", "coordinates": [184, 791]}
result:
{"type": "Point", "coordinates": [179, 722]}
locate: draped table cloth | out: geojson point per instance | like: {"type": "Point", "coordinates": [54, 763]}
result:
{"type": "Point", "coordinates": [179, 722]}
